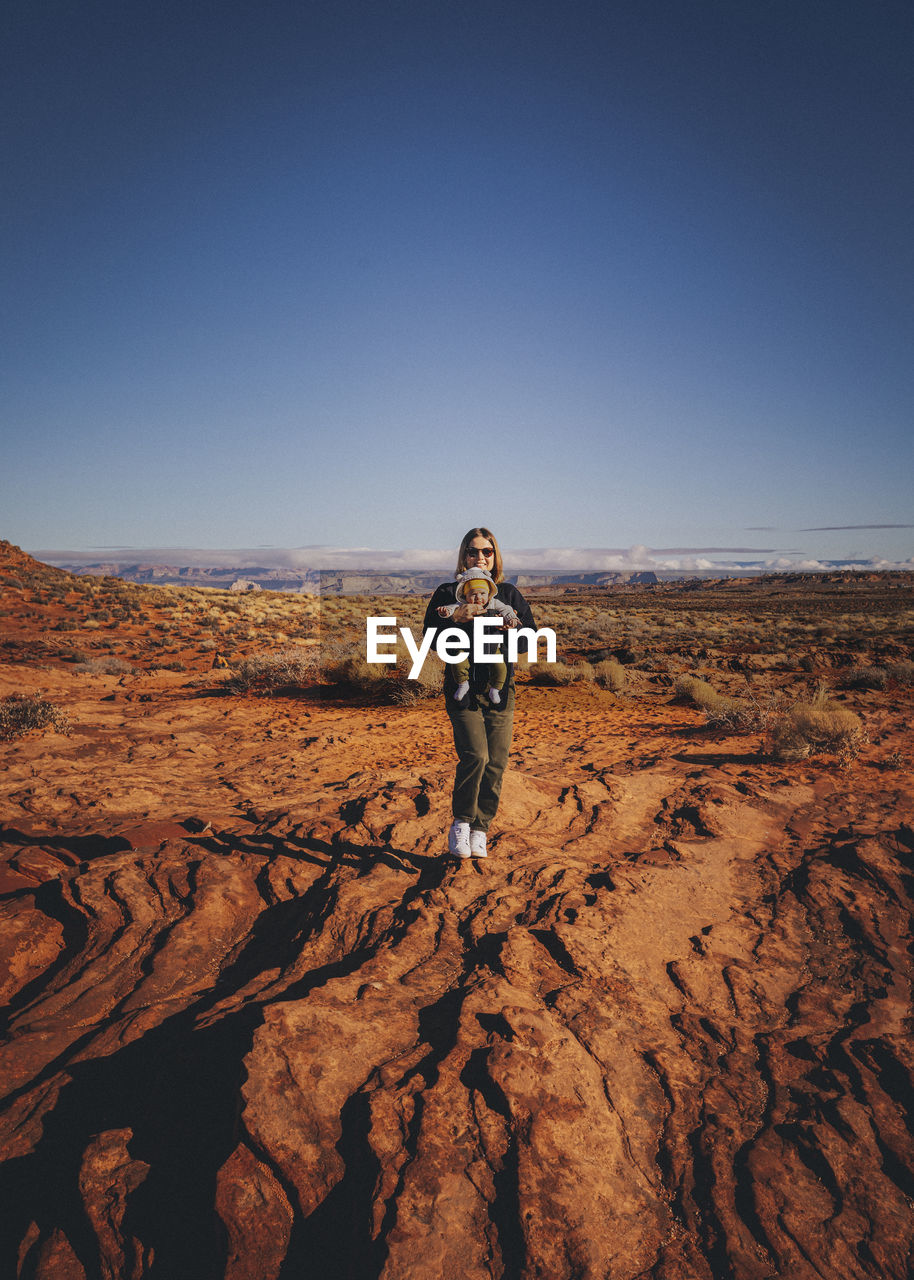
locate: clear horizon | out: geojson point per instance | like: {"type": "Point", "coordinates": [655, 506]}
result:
{"type": "Point", "coordinates": [359, 275]}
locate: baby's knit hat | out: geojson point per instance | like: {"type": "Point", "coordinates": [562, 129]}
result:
{"type": "Point", "coordinates": [475, 580]}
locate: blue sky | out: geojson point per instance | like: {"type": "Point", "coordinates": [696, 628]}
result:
{"type": "Point", "coordinates": [598, 275]}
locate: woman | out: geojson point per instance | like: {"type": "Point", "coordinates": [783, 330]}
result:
{"type": "Point", "coordinates": [482, 731]}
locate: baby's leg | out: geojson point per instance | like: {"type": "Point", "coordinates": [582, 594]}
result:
{"type": "Point", "coordinates": [462, 676]}
{"type": "Point", "coordinates": [498, 674]}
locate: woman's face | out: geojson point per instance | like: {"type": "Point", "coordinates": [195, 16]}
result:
{"type": "Point", "coordinates": [480, 554]}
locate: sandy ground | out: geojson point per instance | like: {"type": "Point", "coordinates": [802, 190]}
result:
{"type": "Point", "coordinates": [259, 1027]}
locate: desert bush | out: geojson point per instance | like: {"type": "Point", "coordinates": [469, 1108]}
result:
{"type": "Point", "coordinates": [75, 655]}
{"type": "Point", "coordinates": [807, 728]}
{"type": "Point", "coordinates": [603, 624]}
{"type": "Point", "coordinates": [351, 671]}
{"type": "Point", "coordinates": [665, 664]}
{"type": "Point", "coordinates": [265, 673]}
{"type": "Point", "coordinates": [428, 684]}
{"type": "Point", "coordinates": [560, 673]}
{"type": "Point", "coordinates": [22, 712]}
{"type": "Point", "coordinates": [903, 672]}
{"type": "Point", "coordinates": [106, 667]}
{"type": "Point", "coordinates": [865, 678]}
{"type": "Point", "coordinates": [610, 674]}
{"type": "Point", "coordinates": [720, 710]}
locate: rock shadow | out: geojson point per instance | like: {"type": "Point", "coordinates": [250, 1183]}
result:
{"type": "Point", "coordinates": [178, 1090]}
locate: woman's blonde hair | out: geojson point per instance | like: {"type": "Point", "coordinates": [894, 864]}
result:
{"type": "Point", "coordinates": [497, 566]}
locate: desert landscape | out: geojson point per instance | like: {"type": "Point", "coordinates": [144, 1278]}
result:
{"type": "Point", "coordinates": [257, 1027]}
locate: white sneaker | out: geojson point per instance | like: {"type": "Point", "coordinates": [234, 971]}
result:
{"type": "Point", "coordinates": [458, 839]}
{"type": "Point", "coordinates": [478, 844]}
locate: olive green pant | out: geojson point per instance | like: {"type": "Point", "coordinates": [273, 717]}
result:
{"type": "Point", "coordinates": [482, 737]}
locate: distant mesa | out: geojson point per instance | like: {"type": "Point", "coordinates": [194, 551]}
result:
{"type": "Point", "coordinates": [339, 581]}
{"type": "Point", "coordinates": [246, 578]}
{"type": "Point", "coordinates": [641, 577]}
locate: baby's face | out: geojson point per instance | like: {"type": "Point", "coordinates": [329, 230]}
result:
{"type": "Point", "coordinates": [479, 596]}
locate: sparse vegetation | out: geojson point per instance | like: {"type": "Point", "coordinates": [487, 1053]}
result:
{"type": "Point", "coordinates": [406, 692]}
{"type": "Point", "coordinates": [610, 674]}
{"type": "Point", "coordinates": [720, 710]}
{"type": "Point", "coordinates": [106, 667]}
{"type": "Point", "coordinates": [747, 714]}
{"type": "Point", "coordinates": [23, 712]}
{"type": "Point", "coordinates": [351, 671]}
{"type": "Point", "coordinates": [560, 673]}
{"type": "Point", "coordinates": [75, 655]}
{"type": "Point", "coordinates": [865, 678]}
{"type": "Point", "coordinates": [819, 725]}
{"type": "Point", "coordinates": [268, 673]}
{"type": "Point", "coordinates": [742, 645]}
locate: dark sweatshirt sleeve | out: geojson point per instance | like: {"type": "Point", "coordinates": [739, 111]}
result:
{"type": "Point", "coordinates": [443, 595]}
{"type": "Point", "coordinates": [512, 596]}
{"type": "Point", "coordinates": [522, 609]}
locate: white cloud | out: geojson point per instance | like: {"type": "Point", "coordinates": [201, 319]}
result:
{"type": "Point", "coordinates": [517, 560]}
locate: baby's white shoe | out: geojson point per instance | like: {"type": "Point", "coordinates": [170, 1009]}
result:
{"type": "Point", "coordinates": [462, 690]}
{"type": "Point", "coordinates": [495, 697]}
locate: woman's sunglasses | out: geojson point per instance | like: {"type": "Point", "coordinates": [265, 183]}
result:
{"type": "Point", "coordinates": [480, 551]}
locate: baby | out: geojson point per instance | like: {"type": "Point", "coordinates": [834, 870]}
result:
{"type": "Point", "coordinates": [477, 587]}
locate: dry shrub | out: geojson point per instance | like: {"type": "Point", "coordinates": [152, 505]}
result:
{"type": "Point", "coordinates": [75, 655]}
{"type": "Point", "coordinates": [865, 678]}
{"type": "Point", "coordinates": [22, 712]}
{"type": "Point", "coordinates": [106, 667]}
{"type": "Point", "coordinates": [807, 728]}
{"type": "Point", "coordinates": [720, 710]}
{"type": "Point", "coordinates": [428, 684]}
{"type": "Point", "coordinates": [267, 673]}
{"type": "Point", "coordinates": [600, 626]}
{"type": "Point", "coordinates": [903, 672]}
{"type": "Point", "coordinates": [560, 673]}
{"type": "Point", "coordinates": [351, 671]}
{"type": "Point", "coordinates": [346, 666]}
{"type": "Point", "coordinates": [610, 674]}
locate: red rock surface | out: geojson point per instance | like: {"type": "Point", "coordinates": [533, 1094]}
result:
{"type": "Point", "coordinates": [259, 1028]}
